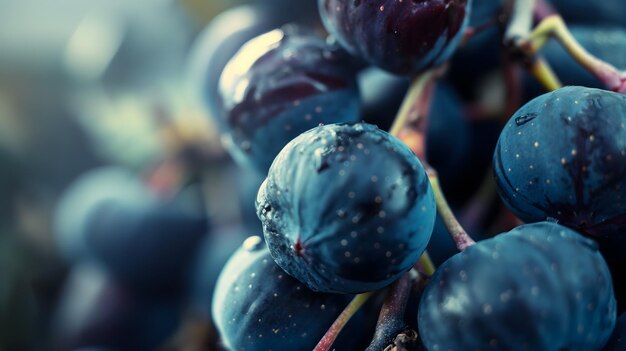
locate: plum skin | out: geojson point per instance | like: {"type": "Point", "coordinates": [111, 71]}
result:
{"type": "Point", "coordinates": [563, 156]}
{"type": "Point", "coordinates": [279, 85]}
{"type": "Point", "coordinates": [403, 37]}
{"type": "Point", "coordinates": [541, 286]}
{"type": "Point", "coordinates": [346, 208]}
{"type": "Point", "coordinates": [257, 306]}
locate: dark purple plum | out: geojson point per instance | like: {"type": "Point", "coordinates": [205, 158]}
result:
{"type": "Point", "coordinates": [618, 339]}
{"type": "Point", "coordinates": [110, 217]}
{"type": "Point", "coordinates": [257, 306]}
{"type": "Point", "coordinates": [538, 287]}
{"type": "Point", "coordinates": [346, 208]}
{"type": "Point", "coordinates": [563, 156]}
{"type": "Point", "coordinates": [217, 44]}
{"type": "Point", "coordinates": [224, 36]}
{"type": "Point", "coordinates": [279, 85]}
{"type": "Point", "coordinates": [403, 37]}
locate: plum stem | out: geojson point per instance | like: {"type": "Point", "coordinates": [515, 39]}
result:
{"type": "Point", "coordinates": [526, 42]}
{"type": "Point", "coordinates": [554, 26]}
{"type": "Point", "coordinates": [426, 265]}
{"type": "Point", "coordinates": [391, 318]}
{"type": "Point", "coordinates": [459, 235]}
{"type": "Point", "coordinates": [331, 335]}
{"type": "Point", "coordinates": [410, 127]}
{"type": "Point", "coordinates": [408, 110]}
{"type": "Point", "coordinates": [520, 28]}
{"type": "Point", "coordinates": [542, 71]}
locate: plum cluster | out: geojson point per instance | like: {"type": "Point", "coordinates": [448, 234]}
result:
{"type": "Point", "coordinates": [376, 140]}
{"type": "Point", "coordinates": [348, 208]}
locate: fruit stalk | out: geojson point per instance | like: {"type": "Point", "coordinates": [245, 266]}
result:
{"type": "Point", "coordinates": [459, 235]}
{"type": "Point", "coordinates": [526, 42]}
{"type": "Point", "coordinates": [409, 127]}
{"type": "Point", "coordinates": [391, 318]}
{"type": "Point", "coordinates": [329, 338]}
{"type": "Point", "coordinates": [554, 26]}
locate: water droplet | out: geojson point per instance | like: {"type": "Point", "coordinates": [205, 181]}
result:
{"type": "Point", "coordinates": [520, 121]}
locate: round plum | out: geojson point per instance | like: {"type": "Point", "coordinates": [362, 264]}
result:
{"type": "Point", "coordinates": [403, 37]}
{"type": "Point", "coordinates": [539, 287]}
{"type": "Point", "coordinates": [577, 176]}
{"type": "Point", "coordinates": [346, 208]}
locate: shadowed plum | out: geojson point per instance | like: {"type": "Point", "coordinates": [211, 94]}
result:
{"type": "Point", "coordinates": [346, 208]}
{"type": "Point", "coordinates": [539, 287]}
{"type": "Point", "coordinates": [279, 85]}
{"type": "Point", "coordinates": [563, 156]}
{"type": "Point", "coordinates": [257, 306]}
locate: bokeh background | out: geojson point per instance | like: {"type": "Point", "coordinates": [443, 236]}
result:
{"type": "Point", "coordinates": [104, 83]}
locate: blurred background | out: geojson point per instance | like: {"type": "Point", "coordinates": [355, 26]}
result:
{"type": "Point", "coordinates": [99, 129]}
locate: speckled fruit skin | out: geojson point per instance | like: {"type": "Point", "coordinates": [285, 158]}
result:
{"type": "Point", "coordinates": [346, 208]}
{"type": "Point", "coordinates": [258, 307]}
{"type": "Point", "coordinates": [538, 287]}
{"type": "Point", "coordinates": [563, 155]}
{"type": "Point", "coordinates": [281, 84]}
{"type": "Point", "coordinates": [404, 37]}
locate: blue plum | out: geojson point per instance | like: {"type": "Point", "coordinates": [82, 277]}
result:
{"type": "Point", "coordinates": [279, 85]}
{"type": "Point", "coordinates": [257, 306]}
{"type": "Point", "coordinates": [403, 37]}
{"type": "Point", "coordinates": [108, 216]}
{"type": "Point", "coordinates": [538, 287]}
{"type": "Point", "coordinates": [563, 156]}
{"type": "Point", "coordinates": [346, 208]}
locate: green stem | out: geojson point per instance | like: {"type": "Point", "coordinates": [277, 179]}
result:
{"type": "Point", "coordinates": [554, 26]}
{"type": "Point", "coordinates": [408, 110]}
{"type": "Point", "coordinates": [413, 108]}
{"type": "Point", "coordinates": [331, 335]}
{"type": "Point", "coordinates": [542, 71]}
{"type": "Point", "coordinates": [459, 235]}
